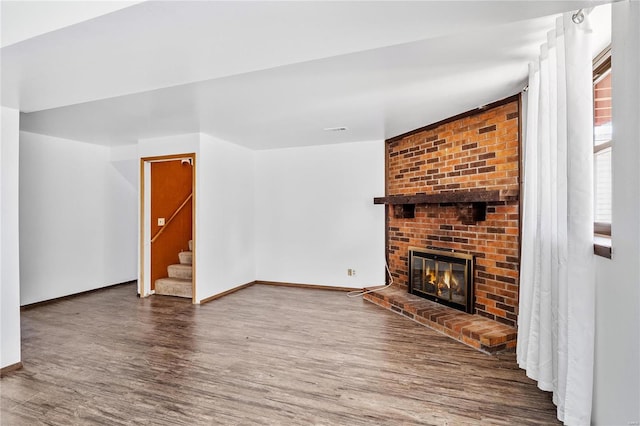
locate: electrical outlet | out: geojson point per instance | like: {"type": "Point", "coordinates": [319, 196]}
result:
{"type": "Point", "coordinates": [161, 221]}
{"type": "Point", "coordinates": [351, 272]}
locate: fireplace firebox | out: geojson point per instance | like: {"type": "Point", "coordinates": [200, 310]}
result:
{"type": "Point", "coordinates": [443, 276]}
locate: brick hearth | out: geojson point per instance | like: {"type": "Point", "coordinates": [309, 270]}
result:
{"type": "Point", "coordinates": [476, 331]}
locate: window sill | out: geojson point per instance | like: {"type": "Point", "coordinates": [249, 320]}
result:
{"type": "Point", "coordinates": [602, 246]}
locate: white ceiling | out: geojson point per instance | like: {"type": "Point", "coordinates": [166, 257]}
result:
{"type": "Point", "coordinates": [272, 74]}
{"type": "Point", "coordinates": [21, 19]}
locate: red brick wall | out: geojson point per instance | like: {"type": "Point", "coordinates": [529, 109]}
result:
{"type": "Point", "coordinates": [480, 151]}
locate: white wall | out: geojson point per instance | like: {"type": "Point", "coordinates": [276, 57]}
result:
{"type": "Point", "coordinates": [126, 161]}
{"type": "Point", "coordinates": [300, 215]}
{"type": "Point", "coordinates": [617, 358]}
{"type": "Point", "coordinates": [315, 216]}
{"type": "Point", "coordinates": [9, 247]}
{"type": "Point", "coordinates": [224, 228]}
{"type": "Point", "coordinates": [78, 219]}
{"type": "Point", "coordinates": [168, 145]}
{"type": "Point", "coordinates": [225, 250]}
{"type": "Point", "coordinates": [120, 226]}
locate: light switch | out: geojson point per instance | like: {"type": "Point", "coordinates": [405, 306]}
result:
{"type": "Point", "coordinates": [161, 221]}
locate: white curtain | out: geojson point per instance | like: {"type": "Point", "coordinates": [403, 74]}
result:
{"type": "Point", "coordinates": [557, 294]}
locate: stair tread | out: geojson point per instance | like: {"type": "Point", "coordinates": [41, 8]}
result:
{"type": "Point", "coordinates": [185, 257]}
{"type": "Point", "coordinates": [179, 287]}
{"type": "Point", "coordinates": [181, 265]}
{"type": "Point", "coordinates": [180, 270]}
{"type": "Point", "coordinates": [174, 280]}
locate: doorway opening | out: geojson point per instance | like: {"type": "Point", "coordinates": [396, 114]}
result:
{"type": "Point", "coordinates": [167, 218]}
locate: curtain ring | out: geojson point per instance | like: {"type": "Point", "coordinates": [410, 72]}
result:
{"type": "Point", "coordinates": [578, 17]}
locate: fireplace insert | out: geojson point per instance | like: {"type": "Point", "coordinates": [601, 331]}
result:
{"type": "Point", "coordinates": [443, 276]}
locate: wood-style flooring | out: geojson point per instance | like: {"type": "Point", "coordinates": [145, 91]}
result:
{"type": "Point", "coordinates": [263, 355]}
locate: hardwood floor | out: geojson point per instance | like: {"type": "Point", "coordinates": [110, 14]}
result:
{"type": "Point", "coordinates": [263, 355]}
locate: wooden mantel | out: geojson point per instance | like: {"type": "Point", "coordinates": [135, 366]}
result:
{"type": "Point", "coordinates": [477, 196]}
{"type": "Point", "coordinates": [472, 205]}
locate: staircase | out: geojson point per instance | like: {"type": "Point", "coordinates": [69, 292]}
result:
{"type": "Point", "coordinates": [180, 277]}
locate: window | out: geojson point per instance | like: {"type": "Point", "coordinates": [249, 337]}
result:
{"type": "Point", "coordinates": [602, 142]}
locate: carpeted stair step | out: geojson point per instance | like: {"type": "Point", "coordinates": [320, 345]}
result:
{"type": "Point", "coordinates": [174, 287]}
{"type": "Point", "coordinates": [180, 271]}
{"type": "Point", "coordinates": [186, 257]}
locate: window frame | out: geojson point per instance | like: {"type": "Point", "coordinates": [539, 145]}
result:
{"type": "Point", "coordinates": [601, 66]}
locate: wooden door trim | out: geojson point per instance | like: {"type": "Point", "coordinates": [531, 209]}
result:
{"type": "Point", "coordinates": [172, 157]}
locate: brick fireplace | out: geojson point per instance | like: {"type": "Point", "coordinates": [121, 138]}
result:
{"type": "Point", "coordinates": [454, 185]}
